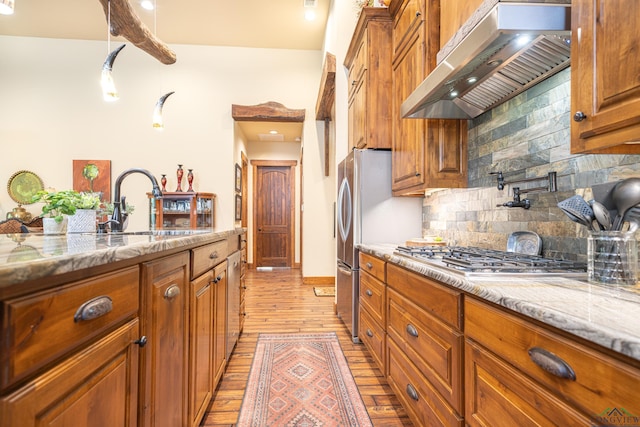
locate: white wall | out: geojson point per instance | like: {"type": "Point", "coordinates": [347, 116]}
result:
{"type": "Point", "coordinates": [52, 112]}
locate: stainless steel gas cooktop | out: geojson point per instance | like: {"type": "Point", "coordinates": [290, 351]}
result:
{"type": "Point", "coordinates": [479, 262]}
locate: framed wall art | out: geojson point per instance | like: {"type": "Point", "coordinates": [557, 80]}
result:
{"type": "Point", "coordinates": [93, 176]}
{"type": "Point", "coordinates": [238, 207]}
{"type": "Point", "coordinates": [238, 178]}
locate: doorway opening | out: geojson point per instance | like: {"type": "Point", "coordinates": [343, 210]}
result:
{"type": "Point", "coordinates": [272, 135]}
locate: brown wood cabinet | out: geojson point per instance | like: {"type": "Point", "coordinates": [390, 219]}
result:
{"type": "Point", "coordinates": [243, 283]}
{"type": "Point", "coordinates": [426, 153]}
{"type": "Point", "coordinates": [220, 320]}
{"type": "Point", "coordinates": [373, 312]}
{"type": "Point", "coordinates": [201, 340]}
{"type": "Point", "coordinates": [454, 13]}
{"type": "Point", "coordinates": [541, 375]}
{"type": "Point", "coordinates": [97, 386]}
{"type": "Point", "coordinates": [605, 77]}
{"type": "Point", "coordinates": [164, 360]}
{"type": "Point", "coordinates": [425, 347]}
{"type": "Point", "coordinates": [368, 61]}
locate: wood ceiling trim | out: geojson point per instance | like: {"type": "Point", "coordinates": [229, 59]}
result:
{"type": "Point", "coordinates": [125, 23]}
{"type": "Point", "coordinates": [267, 112]}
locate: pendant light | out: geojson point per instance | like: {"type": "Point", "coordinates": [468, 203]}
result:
{"type": "Point", "coordinates": [6, 7]}
{"type": "Point", "coordinates": [158, 123]}
{"type": "Point", "coordinates": [109, 91]}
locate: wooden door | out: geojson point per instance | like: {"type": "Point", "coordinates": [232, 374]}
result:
{"type": "Point", "coordinates": [274, 187]}
{"type": "Point", "coordinates": [164, 364]}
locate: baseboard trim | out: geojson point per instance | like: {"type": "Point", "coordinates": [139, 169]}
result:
{"type": "Point", "coordinates": [318, 280]}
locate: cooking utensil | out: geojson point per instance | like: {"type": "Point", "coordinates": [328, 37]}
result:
{"type": "Point", "coordinates": [625, 195]}
{"type": "Point", "coordinates": [524, 242]}
{"type": "Point", "coordinates": [602, 214]}
{"type": "Point", "coordinates": [578, 210]}
{"type": "Point", "coordinates": [632, 216]}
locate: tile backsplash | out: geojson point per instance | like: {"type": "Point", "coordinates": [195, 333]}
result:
{"type": "Point", "coordinates": [526, 137]}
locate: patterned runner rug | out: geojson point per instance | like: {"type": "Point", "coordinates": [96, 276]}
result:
{"type": "Point", "coordinates": [301, 380]}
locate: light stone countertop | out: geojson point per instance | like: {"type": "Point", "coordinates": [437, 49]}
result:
{"type": "Point", "coordinates": [601, 314]}
{"type": "Point", "coordinates": [34, 256]}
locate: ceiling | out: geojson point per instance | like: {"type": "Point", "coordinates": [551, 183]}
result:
{"type": "Point", "coordinates": [275, 24]}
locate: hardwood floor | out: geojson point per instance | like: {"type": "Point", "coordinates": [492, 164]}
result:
{"type": "Point", "coordinates": [277, 301]}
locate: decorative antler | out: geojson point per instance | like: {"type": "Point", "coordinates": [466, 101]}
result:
{"type": "Point", "coordinates": [126, 23]}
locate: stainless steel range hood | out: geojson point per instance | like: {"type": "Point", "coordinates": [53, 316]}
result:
{"type": "Point", "coordinates": [494, 62]}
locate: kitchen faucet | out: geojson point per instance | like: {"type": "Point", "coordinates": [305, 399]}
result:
{"type": "Point", "coordinates": [118, 203]}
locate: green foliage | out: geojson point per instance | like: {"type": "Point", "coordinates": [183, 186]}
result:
{"type": "Point", "coordinates": [65, 202]}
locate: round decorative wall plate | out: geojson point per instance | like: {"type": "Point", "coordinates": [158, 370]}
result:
{"type": "Point", "coordinates": [23, 185]}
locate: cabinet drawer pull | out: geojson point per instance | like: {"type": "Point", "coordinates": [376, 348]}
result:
{"type": "Point", "coordinates": [411, 330]}
{"type": "Point", "coordinates": [369, 265]}
{"type": "Point", "coordinates": [411, 391]}
{"type": "Point", "coordinates": [213, 255]}
{"type": "Point", "coordinates": [94, 308]}
{"type": "Point", "coordinates": [579, 116]}
{"type": "Point", "coordinates": [369, 293]}
{"type": "Point", "coordinates": [141, 342]}
{"type": "Point", "coordinates": [172, 292]}
{"type": "Point", "coordinates": [369, 333]}
{"type": "Point", "coordinates": [551, 363]}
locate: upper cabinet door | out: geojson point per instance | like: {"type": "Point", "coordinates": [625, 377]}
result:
{"type": "Point", "coordinates": [605, 76]}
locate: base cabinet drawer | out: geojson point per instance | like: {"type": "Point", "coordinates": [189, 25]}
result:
{"type": "Point", "coordinates": [43, 327]}
{"type": "Point", "coordinates": [499, 396]}
{"type": "Point", "coordinates": [422, 402]}
{"type": "Point", "coordinates": [434, 347]}
{"type": "Point", "coordinates": [374, 266]}
{"type": "Point", "coordinates": [584, 377]}
{"type": "Point", "coordinates": [373, 297]}
{"type": "Point", "coordinates": [373, 337]}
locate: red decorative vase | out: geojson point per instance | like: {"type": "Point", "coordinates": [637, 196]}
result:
{"type": "Point", "coordinates": [163, 181]}
{"type": "Point", "coordinates": [190, 180]}
{"type": "Point", "coordinates": [179, 174]}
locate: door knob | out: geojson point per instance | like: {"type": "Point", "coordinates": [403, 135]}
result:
{"type": "Point", "coordinates": [579, 116]}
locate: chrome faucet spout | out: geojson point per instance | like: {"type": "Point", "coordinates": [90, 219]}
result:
{"type": "Point", "coordinates": [118, 202]}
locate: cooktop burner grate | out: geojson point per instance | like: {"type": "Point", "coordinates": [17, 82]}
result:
{"type": "Point", "coordinates": [471, 260]}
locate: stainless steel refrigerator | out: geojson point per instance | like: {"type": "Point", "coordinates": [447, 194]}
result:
{"type": "Point", "coordinates": [367, 213]}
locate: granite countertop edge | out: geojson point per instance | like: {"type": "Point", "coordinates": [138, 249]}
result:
{"type": "Point", "coordinates": [60, 254]}
{"type": "Point", "coordinates": [599, 314]}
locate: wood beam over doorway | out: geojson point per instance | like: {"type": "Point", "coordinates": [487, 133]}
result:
{"type": "Point", "coordinates": [267, 112]}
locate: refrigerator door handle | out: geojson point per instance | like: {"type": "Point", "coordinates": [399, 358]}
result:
{"type": "Point", "coordinates": [344, 200]}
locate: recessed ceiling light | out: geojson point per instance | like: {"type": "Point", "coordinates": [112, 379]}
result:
{"type": "Point", "coordinates": [453, 93]}
{"type": "Point", "coordinates": [147, 4]}
{"type": "Point", "coordinates": [310, 15]}
{"type": "Point", "coordinates": [273, 132]}
{"type": "Point", "coordinates": [472, 79]}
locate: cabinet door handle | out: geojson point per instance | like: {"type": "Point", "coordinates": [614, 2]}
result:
{"type": "Point", "coordinates": [369, 265]}
{"type": "Point", "coordinates": [369, 333]}
{"type": "Point", "coordinates": [94, 308]}
{"type": "Point", "coordinates": [551, 363]}
{"type": "Point", "coordinates": [141, 342]}
{"type": "Point", "coordinates": [411, 330]}
{"type": "Point", "coordinates": [172, 292]}
{"type": "Point", "coordinates": [369, 293]}
{"type": "Point", "coordinates": [213, 255]}
{"type": "Point", "coordinates": [411, 391]}
{"type": "Point", "coordinates": [418, 14]}
{"type": "Point", "coordinates": [579, 116]}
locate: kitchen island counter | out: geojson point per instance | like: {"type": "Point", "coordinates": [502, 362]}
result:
{"type": "Point", "coordinates": [603, 315]}
{"type": "Point", "coordinates": [32, 261]}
